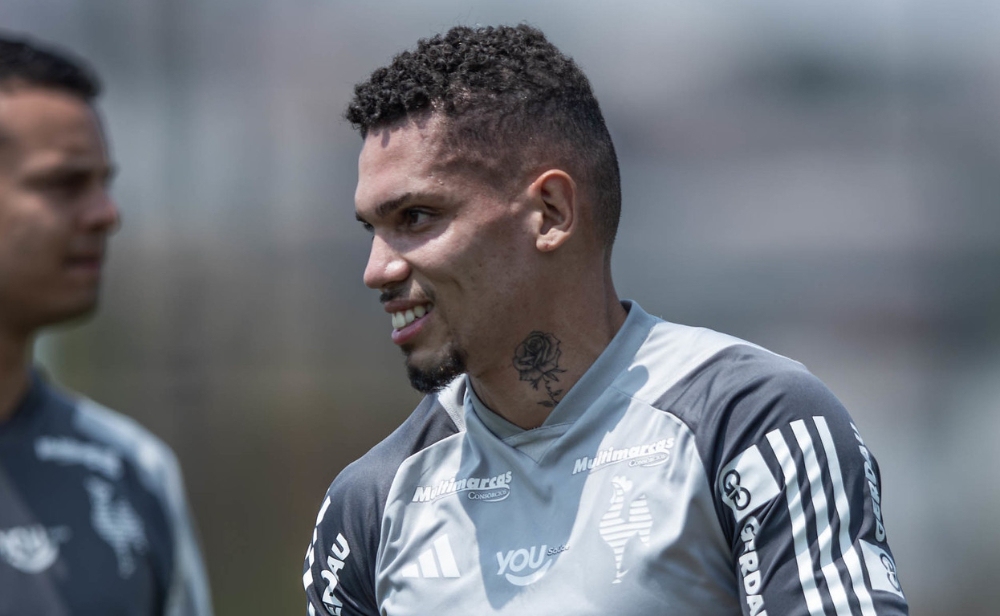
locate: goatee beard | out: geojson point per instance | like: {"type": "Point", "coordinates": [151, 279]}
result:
{"type": "Point", "coordinates": [435, 378]}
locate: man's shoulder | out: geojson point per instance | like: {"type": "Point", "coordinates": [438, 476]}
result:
{"type": "Point", "coordinates": [675, 354]}
{"type": "Point", "coordinates": [124, 434]}
{"type": "Point", "coordinates": [721, 386]}
{"type": "Point", "coordinates": [439, 416]}
{"type": "Point", "coordinates": [340, 560]}
{"type": "Point", "coordinates": [146, 477]}
{"type": "Point", "coordinates": [85, 431]}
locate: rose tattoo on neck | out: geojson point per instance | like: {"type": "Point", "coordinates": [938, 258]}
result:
{"type": "Point", "coordinates": [537, 361]}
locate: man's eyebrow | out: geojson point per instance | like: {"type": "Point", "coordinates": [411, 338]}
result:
{"type": "Point", "coordinates": [71, 171]}
{"type": "Point", "coordinates": [385, 208]}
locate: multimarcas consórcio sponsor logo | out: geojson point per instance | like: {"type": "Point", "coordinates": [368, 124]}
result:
{"type": "Point", "coordinates": [488, 489]}
{"type": "Point", "coordinates": [650, 454]}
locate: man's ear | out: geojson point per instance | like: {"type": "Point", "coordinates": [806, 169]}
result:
{"type": "Point", "coordinates": [554, 193]}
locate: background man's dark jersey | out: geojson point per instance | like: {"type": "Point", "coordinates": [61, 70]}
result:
{"type": "Point", "coordinates": [92, 515]}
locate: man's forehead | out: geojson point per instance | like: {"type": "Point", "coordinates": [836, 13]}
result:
{"type": "Point", "coordinates": [403, 158]}
{"type": "Point", "coordinates": [49, 123]}
{"type": "Point", "coordinates": [411, 140]}
{"type": "Point", "coordinates": [421, 155]}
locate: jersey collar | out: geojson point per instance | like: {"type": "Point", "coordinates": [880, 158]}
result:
{"type": "Point", "coordinates": [616, 357]}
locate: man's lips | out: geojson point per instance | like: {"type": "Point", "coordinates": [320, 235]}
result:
{"type": "Point", "coordinates": [89, 263]}
{"type": "Point", "coordinates": [409, 331]}
{"type": "Point", "coordinates": [408, 318]}
{"type": "Point", "coordinates": [404, 315]}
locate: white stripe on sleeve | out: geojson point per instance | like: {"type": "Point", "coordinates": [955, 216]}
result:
{"type": "Point", "coordinates": [824, 533]}
{"type": "Point", "coordinates": [850, 555]}
{"type": "Point", "coordinates": [798, 519]}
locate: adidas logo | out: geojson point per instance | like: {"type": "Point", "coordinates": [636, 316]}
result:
{"type": "Point", "coordinates": [435, 562]}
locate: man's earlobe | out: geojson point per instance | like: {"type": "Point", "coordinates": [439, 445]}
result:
{"type": "Point", "coordinates": [556, 196]}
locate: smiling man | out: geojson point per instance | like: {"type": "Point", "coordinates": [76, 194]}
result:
{"type": "Point", "coordinates": [574, 454]}
{"type": "Point", "coordinates": [93, 518]}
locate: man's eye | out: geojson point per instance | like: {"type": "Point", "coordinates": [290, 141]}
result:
{"type": "Point", "coordinates": [416, 217]}
{"type": "Point", "coordinates": [64, 185]}
{"type": "Point", "coordinates": [69, 191]}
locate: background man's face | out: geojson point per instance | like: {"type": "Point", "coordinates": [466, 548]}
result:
{"type": "Point", "coordinates": [55, 211]}
{"type": "Point", "coordinates": [446, 243]}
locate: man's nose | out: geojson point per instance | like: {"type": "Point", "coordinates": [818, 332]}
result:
{"type": "Point", "coordinates": [101, 213]}
{"type": "Point", "coordinates": [386, 266]}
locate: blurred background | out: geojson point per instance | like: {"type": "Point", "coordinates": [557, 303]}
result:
{"type": "Point", "coordinates": [820, 178]}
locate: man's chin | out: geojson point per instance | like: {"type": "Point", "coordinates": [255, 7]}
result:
{"type": "Point", "coordinates": [431, 376]}
{"type": "Point", "coordinates": [68, 311]}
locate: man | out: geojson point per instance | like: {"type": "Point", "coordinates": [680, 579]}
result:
{"type": "Point", "coordinates": [93, 518]}
{"type": "Point", "coordinates": [574, 454]}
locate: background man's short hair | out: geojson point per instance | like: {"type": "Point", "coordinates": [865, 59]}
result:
{"type": "Point", "coordinates": [23, 61]}
{"type": "Point", "coordinates": [512, 101]}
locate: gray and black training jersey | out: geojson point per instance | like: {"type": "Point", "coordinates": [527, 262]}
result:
{"type": "Point", "coordinates": [687, 472]}
{"type": "Point", "coordinates": [93, 518]}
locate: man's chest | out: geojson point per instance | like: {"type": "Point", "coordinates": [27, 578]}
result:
{"type": "Point", "coordinates": [616, 519]}
{"type": "Point", "coordinates": [75, 533]}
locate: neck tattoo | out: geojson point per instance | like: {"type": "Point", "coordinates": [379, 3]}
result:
{"type": "Point", "coordinates": [537, 361]}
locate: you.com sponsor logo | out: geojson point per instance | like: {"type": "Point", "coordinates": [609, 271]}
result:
{"type": "Point", "coordinates": [525, 566]}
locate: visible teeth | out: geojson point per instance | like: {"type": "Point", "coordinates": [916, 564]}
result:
{"type": "Point", "coordinates": [402, 319]}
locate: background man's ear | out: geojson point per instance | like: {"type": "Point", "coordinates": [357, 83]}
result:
{"type": "Point", "coordinates": [556, 196]}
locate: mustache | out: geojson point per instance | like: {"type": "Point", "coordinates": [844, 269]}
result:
{"type": "Point", "coordinates": [390, 294]}
{"type": "Point", "coordinates": [399, 292]}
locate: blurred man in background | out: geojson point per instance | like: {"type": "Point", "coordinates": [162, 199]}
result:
{"type": "Point", "coordinates": [574, 455]}
{"type": "Point", "coordinates": [93, 516]}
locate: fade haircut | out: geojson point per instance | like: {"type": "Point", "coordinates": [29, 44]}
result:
{"type": "Point", "coordinates": [511, 101]}
{"type": "Point", "coordinates": [24, 62]}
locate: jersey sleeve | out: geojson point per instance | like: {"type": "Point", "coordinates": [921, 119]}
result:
{"type": "Point", "coordinates": [189, 593]}
{"type": "Point", "coordinates": [799, 496]}
{"type": "Point", "coordinates": [340, 562]}
{"type": "Point", "coordinates": [339, 571]}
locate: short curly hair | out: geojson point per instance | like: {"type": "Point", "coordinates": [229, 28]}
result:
{"type": "Point", "coordinates": [23, 61]}
{"type": "Point", "coordinates": [512, 101]}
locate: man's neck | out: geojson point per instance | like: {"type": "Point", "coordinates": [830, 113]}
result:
{"type": "Point", "coordinates": [525, 386]}
{"type": "Point", "coordinates": [15, 362]}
